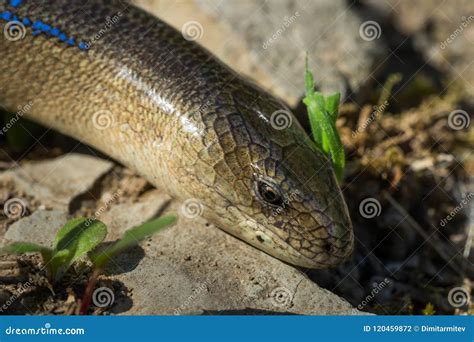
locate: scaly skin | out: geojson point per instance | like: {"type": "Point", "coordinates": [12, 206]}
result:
{"type": "Point", "coordinates": [167, 108]}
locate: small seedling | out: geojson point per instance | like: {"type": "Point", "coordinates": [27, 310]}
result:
{"type": "Point", "coordinates": [130, 238]}
{"type": "Point", "coordinates": [76, 238]}
{"type": "Point", "coordinates": [80, 236]}
{"type": "Point", "coordinates": [323, 112]}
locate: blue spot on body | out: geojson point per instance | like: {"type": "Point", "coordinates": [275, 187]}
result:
{"type": "Point", "coordinates": [38, 27]}
{"type": "Point", "coordinates": [6, 15]}
{"type": "Point", "coordinates": [55, 32]}
{"type": "Point", "coordinates": [83, 46]}
{"type": "Point", "coordinates": [45, 28]}
{"type": "Point", "coordinates": [15, 3]}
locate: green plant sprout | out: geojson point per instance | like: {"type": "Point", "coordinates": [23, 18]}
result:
{"type": "Point", "coordinates": [76, 238]}
{"type": "Point", "coordinates": [323, 112]}
{"type": "Point", "coordinates": [80, 236]}
{"type": "Point", "coordinates": [130, 238]}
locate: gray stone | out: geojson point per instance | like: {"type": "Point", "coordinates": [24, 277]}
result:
{"type": "Point", "coordinates": [56, 182]}
{"type": "Point", "coordinates": [125, 216]}
{"type": "Point", "coordinates": [39, 228]}
{"type": "Point", "coordinates": [279, 33]}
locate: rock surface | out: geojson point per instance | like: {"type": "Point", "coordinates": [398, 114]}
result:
{"type": "Point", "coordinates": [267, 42]}
{"type": "Point", "coordinates": [57, 182]}
{"type": "Point", "coordinates": [191, 268]}
{"type": "Point", "coordinates": [39, 228]}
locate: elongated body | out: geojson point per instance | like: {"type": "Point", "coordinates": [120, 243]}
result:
{"type": "Point", "coordinates": [121, 80]}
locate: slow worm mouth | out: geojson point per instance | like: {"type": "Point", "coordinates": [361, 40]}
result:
{"type": "Point", "coordinates": [335, 252]}
{"type": "Point", "coordinates": [340, 235]}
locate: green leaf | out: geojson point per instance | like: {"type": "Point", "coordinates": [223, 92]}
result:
{"type": "Point", "coordinates": [332, 106]}
{"type": "Point", "coordinates": [316, 128]}
{"type": "Point", "coordinates": [59, 264]}
{"type": "Point", "coordinates": [22, 247]}
{"type": "Point", "coordinates": [309, 102]}
{"type": "Point", "coordinates": [132, 237]}
{"type": "Point", "coordinates": [323, 112]}
{"type": "Point", "coordinates": [73, 240]}
{"type": "Point", "coordinates": [308, 78]}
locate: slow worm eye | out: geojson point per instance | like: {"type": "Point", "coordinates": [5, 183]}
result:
{"type": "Point", "coordinates": [269, 193]}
